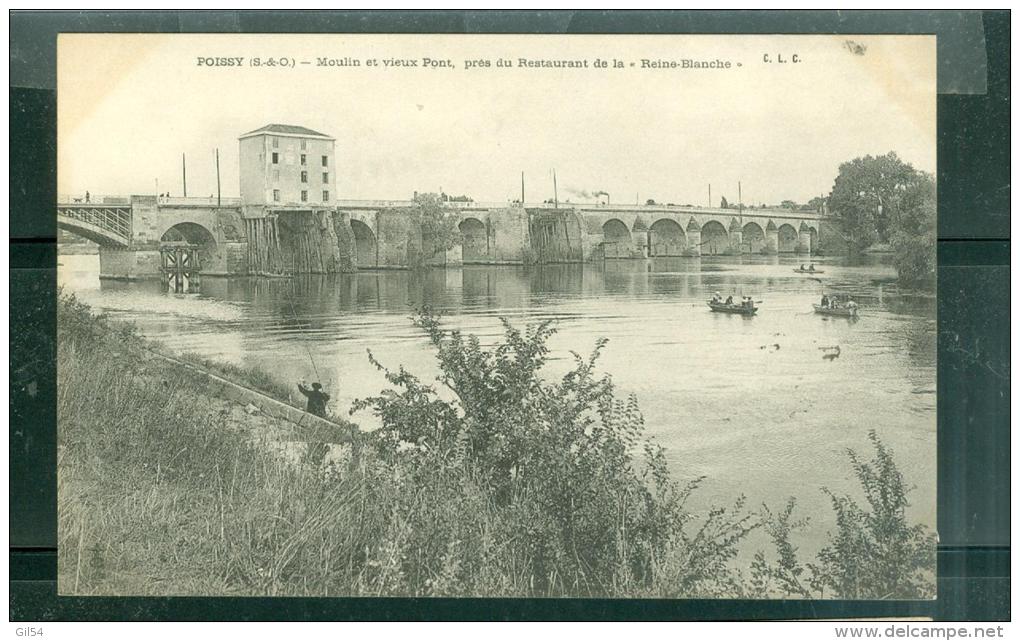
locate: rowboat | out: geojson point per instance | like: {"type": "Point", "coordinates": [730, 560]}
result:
{"type": "Point", "coordinates": [809, 271]}
{"type": "Point", "coordinates": [734, 308]}
{"type": "Point", "coordinates": [846, 312]}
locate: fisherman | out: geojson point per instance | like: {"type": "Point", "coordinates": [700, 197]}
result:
{"type": "Point", "coordinates": [316, 399]}
{"type": "Point", "coordinates": [717, 298]}
{"type": "Point", "coordinates": [729, 299]}
{"type": "Point", "coordinates": [802, 267]}
{"type": "Point", "coordinates": [825, 301]}
{"type": "Point", "coordinates": [811, 267]}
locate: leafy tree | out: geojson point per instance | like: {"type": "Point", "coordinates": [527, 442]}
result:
{"type": "Point", "coordinates": [915, 233]}
{"type": "Point", "coordinates": [650, 202]}
{"type": "Point", "coordinates": [789, 204]}
{"type": "Point", "coordinates": [438, 225]}
{"type": "Point", "coordinates": [864, 197]}
{"type": "Point", "coordinates": [815, 204]}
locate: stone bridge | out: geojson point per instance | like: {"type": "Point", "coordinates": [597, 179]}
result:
{"type": "Point", "coordinates": [381, 234]}
{"type": "Point", "coordinates": [635, 231]}
{"type": "Point", "coordinates": [129, 231]}
{"type": "Point", "coordinates": [501, 233]}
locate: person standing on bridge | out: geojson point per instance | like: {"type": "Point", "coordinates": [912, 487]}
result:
{"type": "Point", "coordinates": [317, 399]}
{"type": "Point", "coordinates": [88, 197]}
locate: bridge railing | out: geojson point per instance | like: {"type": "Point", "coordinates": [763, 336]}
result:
{"type": "Point", "coordinates": [771, 212]}
{"type": "Point", "coordinates": [93, 199]}
{"type": "Point", "coordinates": [112, 218]}
{"type": "Point", "coordinates": [198, 201]}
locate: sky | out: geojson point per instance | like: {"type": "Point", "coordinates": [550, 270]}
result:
{"type": "Point", "coordinates": [129, 106]}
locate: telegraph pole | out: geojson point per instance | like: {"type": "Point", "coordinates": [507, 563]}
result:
{"type": "Point", "coordinates": [217, 177]}
{"type": "Point", "coordinates": [709, 194]}
{"type": "Point", "coordinates": [556, 196]}
{"type": "Point", "coordinates": [522, 188]}
{"type": "Point", "coordinates": [184, 173]}
{"type": "Point", "coordinates": [740, 203]}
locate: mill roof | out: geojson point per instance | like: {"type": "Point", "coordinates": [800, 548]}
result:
{"type": "Point", "coordinates": [286, 130]}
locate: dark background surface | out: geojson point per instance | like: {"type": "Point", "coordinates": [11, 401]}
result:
{"type": "Point", "coordinates": [973, 307]}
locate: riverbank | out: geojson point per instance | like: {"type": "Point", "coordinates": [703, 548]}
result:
{"type": "Point", "coordinates": [168, 488]}
{"type": "Point", "coordinates": [531, 488]}
{"type": "Point", "coordinates": [77, 249]}
{"type": "Point", "coordinates": [157, 468]}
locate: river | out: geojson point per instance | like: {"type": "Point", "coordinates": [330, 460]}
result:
{"type": "Point", "coordinates": [750, 404]}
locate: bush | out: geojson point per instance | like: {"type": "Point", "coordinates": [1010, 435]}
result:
{"type": "Point", "coordinates": [873, 554]}
{"type": "Point", "coordinates": [510, 485]}
{"type": "Point", "coordinates": [594, 510]}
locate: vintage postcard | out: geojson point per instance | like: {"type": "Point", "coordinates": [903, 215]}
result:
{"type": "Point", "coordinates": [618, 316]}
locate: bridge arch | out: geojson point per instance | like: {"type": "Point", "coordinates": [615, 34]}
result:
{"type": "Point", "coordinates": [787, 239]}
{"type": "Point", "coordinates": [666, 238]}
{"type": "Point", "coordinates": [715, 239]}
{"type": "Point", "coordinates": [190, 232]}
{"type": "Point", "coordinates": [475, 243]}
{"type": "Point", "coordinates": [753, 237]}
{"type": "Point", "coordinates": [364, 244]}
{"type": "Point", "coordinates": [617, 241]}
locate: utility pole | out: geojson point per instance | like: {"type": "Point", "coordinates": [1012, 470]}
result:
{"type": "Point", "coordinates": [709, 194]}
{"type": "Point", "coordinates": [184, 173]}
{"type": "Point", "coordinates": [522, 188]}
{"type": "Point", "coordinates": [217, 177]}
{"type": "Point", "coordinates": [740, 203]}
{"type": "Point", "coordinates": [556, 196]}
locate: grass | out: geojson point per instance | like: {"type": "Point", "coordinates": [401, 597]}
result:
{"type": "Point", "coordinates": [251, 377]}
{"type": "Point", "coordinates": [166, 490]}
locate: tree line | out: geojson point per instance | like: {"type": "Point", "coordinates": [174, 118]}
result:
{"type": "Point", "coordinates": [882, 199]}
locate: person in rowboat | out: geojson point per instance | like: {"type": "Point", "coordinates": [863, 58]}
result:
{"type": "Point", "coordinates": [729, 299]}
{"type": "Point", "coordinates": [825, 301]}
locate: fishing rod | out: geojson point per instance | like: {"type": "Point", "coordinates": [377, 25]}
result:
{"type": "Point", "coordinates": [293, 312]}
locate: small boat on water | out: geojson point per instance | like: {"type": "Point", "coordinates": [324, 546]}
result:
{"type": "Point", "coordinates": [733, 308]}
{"type": "Point", "coordinates": [846, 312]}
{"type": "Point", "coordinates": [809, 271]}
